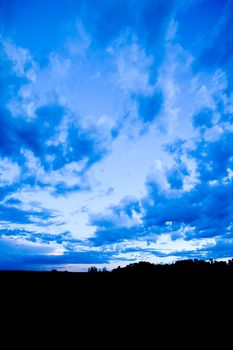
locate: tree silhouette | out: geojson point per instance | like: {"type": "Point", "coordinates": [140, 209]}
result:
{"type": "Point", "coordinates": [92, 269]}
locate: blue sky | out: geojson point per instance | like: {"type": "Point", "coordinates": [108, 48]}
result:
{"type": "Point", "coordinates": [116, 132]}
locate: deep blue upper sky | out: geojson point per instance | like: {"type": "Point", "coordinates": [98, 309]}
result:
{"type": "Point", "coordinates": [116, 132]}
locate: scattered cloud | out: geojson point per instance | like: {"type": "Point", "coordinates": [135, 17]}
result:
{"type": "Point", "coordinates": [115, 132]}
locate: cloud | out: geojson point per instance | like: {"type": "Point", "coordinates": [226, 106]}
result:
{"type": "Point", "coordinates": [203, 119]}
{"type": "Point", "coordinates": [214, 158]}
{"type": "Point", "coordinates": [204, 211]}
{"type": "Point", "coordinates": [106, 25]}
{"type": "Point", "coordinates": [50, 150]}
{"type": "Point", "coordinates": [63, 238]}
{"type": "Point", "coordinates": [21, 61]}
{"type": "Point", "coordinates": [67, 258]}
{"type": "Point", "coordinates": [133, 67]}
{"type": "Point", "coordinates": [18, 133]}
{"type": "Point", "coordinates": [9, 172]}
{"type": "Point", "coordinates": [135, 96]}
{"type": "Point", "coordinates": [192, 201]}
{"type": "Point", "coordinates": [35, 256]}
{"type": "Point", "coordinates": [18, 73]}
{"type": "Point", "coordinates": [9, 213]}
{"type": "Point", "coordinates": [12, 253]}
{"type": "Point", "coordinates": [222, 248]}
{"type": "Point", "coordinates": [148, 19]}
{"type": "Point", "coordinates": [149, 106]}
{"type": "Point", "coordinates": [39, 26]}
{"type": "Point", "coordinates": [218, 51]}
{"type": "Point", "coordinates": [153, 24]}
{"type": "Point", "coordinates": [175, 176]}
{"type": "Point", "coordinates": [114, 235]}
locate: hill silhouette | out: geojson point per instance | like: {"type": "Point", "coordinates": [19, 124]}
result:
{"type": "Point", "coordinates": [144, 297]}
{"type": "Point", "coordinates": [188, 277]}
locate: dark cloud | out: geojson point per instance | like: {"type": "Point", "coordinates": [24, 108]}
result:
{"type": "Point", "coordinates": [11, 214]}
{"type": "Point", "coordinates": [108, 234]}
{"type": "Point", "coordinates": [197, 19]}
{"type": "Point", "coordinates": [176, 174]}
{"type": "Point", "coordinates": [224, 54]}
{"type": "Point", "coordinates": [146, 20]}
{"type": "Point", "coordinates": [217, 48]}
{"type": "Point", "coordinates": [13, 201]}
{"type": "Point", "coordinates": [59, 238]}
{"type": "Point", "coordinates": [106, 20]}
{"type": "Point", "coordinates": [203, 119]}
{"type": "Point", "coordinates": [89, 257]}
{"type": "Point", "coordinates": [149, 106]}
{"type": "Point", "coordinates": [17, 133]}
{"type": "Point", "coordinates": [56, 138]}
{"type": "Point", "coordinates": [41, 134]}
{"type": "Point", "coordinates": [214, 158]}
{"type": "Point", "coordinates": [10, 82]}
{"type": "Point", "coordinates": [9, 142]}
{"type": "Point", "coordinates": [153, 21]}
{"type": "Point", "coordinates": [206, 209]}
{"type": "Point", "coordinates": [223, 248]}
{"type": "Point", "coordinates": [63, 188]}
{"type": "Point", "coordinates": [83, 145]}
{"type": "Point", "coordinates": [175, 179]}
{"type": "Point", "coordinates": [29, 257]}
{"type": "Point", "coordinates": [38, 25]}
{"type": "Point", "coordinates": [41, 137]}
{"type": "Point", "coordinates": [176, 149]}
{"type": "Point", "coordinates": [7, 190]}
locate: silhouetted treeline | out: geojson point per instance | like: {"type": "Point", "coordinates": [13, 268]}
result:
{"type": "Point", "coordinates": [159, 293]}
{"type": "Point", "coordinates": [138, 278]}
{"type": "Point", "coordinates": [180, 265]}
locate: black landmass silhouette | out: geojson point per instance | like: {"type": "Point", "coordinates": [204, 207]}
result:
{"type": "Point", "coordinates": [141, 300]}
{"type": "Point", "coordinates": [184, 279]}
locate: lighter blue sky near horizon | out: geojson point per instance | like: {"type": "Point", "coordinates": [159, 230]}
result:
{"type": "Point", "coordinates": [116, 132]}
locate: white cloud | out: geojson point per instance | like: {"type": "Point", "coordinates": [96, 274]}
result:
{"type": "Point", "coordinates": [9, 172]}
{"type": "Point", "coordinates": [23, 65]}
{"type": "Point", "coordinates": [80, 42]}
{"type": "Point", "coordinates": [97, 97]}
{"type": "Point", "coordinates": [22, 62]}
{"type": "Point", "coordinates": [133, 68]}
{"type": "Point", "coordinates": [69, 175]}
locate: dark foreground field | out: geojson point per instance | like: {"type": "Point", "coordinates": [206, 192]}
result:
{"type": "Point", "coordinates": [186, 299]}
{"type": "Point", "coordinates": [143, 283]}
